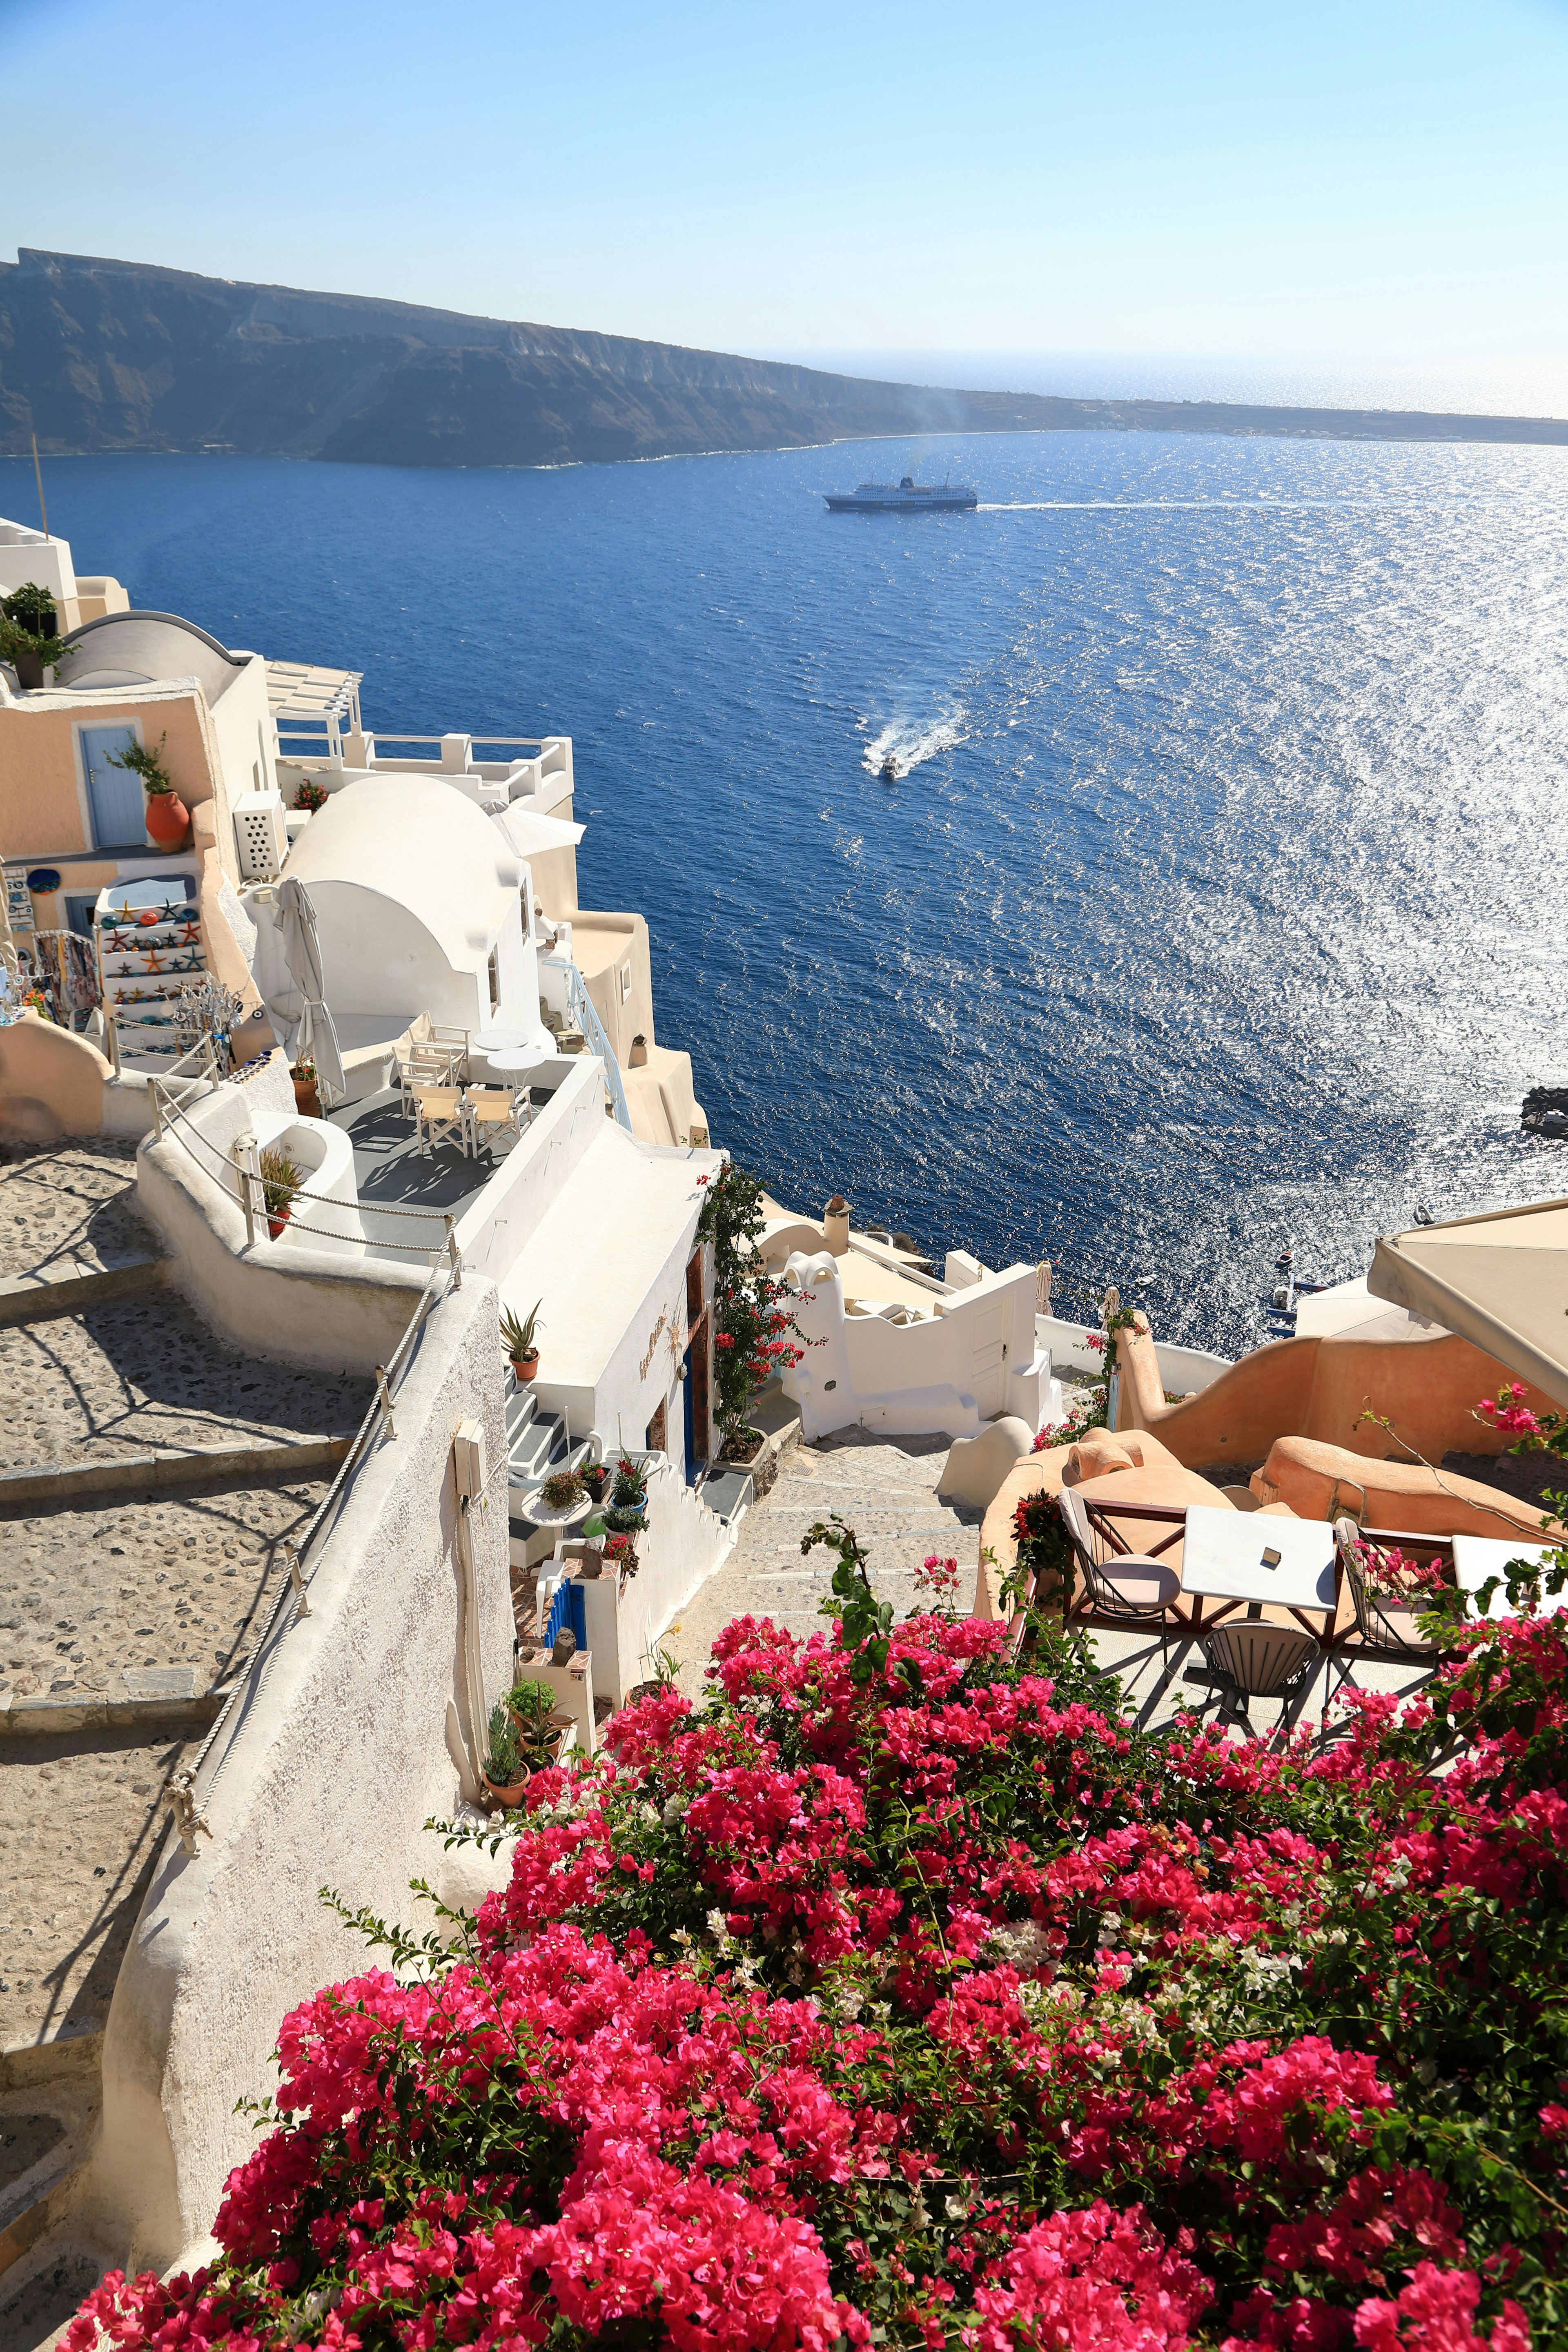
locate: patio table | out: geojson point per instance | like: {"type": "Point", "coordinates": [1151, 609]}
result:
{"type": "Point", "coordinates": [514, 1057]}
{"type": "Point", "coordinates": [1476, 1558]}
{"type": "Point", "coordinates": [1222, 1559]}
{"type": "Point", "coordinates": [497, 1041]}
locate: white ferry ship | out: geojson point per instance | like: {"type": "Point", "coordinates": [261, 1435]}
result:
{"type": "Point", "coordinates": [906, 497]}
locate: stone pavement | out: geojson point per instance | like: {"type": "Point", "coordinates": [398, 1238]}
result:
{"type": "Point", "coordinates": [67, 1206]}
{"type": "Point", "coordinates": [143, 1580]}
{"type": "Point", "coordinates": [77, 1832]}
{"type": "Point", "coordinates": [885, 1489]}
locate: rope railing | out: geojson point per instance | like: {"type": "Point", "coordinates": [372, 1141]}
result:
{"type": "Point", "coordinates": [241, 1185]}
{"type": "Point", "coordinates": [187, 1790]}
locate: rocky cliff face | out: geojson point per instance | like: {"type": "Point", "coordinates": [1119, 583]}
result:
{"type": "Point", "coordinates": [120, 355]}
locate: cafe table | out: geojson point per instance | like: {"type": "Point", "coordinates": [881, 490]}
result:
{"type": "Point", "coordinates": [1225, 1560]}
{"type": "Point", "coordinates": [1477, 1557]}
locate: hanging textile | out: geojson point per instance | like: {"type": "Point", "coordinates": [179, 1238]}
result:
{"type": "Point", "coordinates": [67, 969]}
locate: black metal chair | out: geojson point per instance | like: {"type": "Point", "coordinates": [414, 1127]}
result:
{"type": "Point", "coordinates": [1256, 1660]}
{"type": "Point", "coordinates": [1125, 1587]}
{"type": "Point", "coordinates": [1380, 1624]}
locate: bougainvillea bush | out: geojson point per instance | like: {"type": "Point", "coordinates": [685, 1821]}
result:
{"type": "Point", "coordinates": [903, 1995]}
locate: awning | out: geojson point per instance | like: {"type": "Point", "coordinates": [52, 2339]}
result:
{"type": "Point", "coordinates": [532, 833]}
{"type": "Point", "coordinates": [1500, 1279]}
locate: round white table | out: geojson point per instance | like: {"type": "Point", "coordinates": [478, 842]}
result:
{"type": "Point", "coordinates": [490, 1041]}
{"type": "Point", "coordinates": [512, 1058]}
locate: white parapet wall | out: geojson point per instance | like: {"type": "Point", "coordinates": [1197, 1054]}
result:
{"type": "Point", "coordinates": [324, 1775]}
{"type": "Point", "coordinates": [305, 1302]}
{"type": "Point", "coordinates": [627, 1617]}
{"type": "Point", "coordinates": [974, 1358]}
{"type": "Point", "coordinates": [1183, 1370]}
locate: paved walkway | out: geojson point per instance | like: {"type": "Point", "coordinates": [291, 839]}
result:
{"type": "Point", "coordinates": [67, 1206]}
{"type": "Point", "coordinates": [885, 1489]}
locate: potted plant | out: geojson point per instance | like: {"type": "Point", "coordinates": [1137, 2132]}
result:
{"type": "Point", "coordinates": [595, 1477]}
{"type": "Point", "coordinates": [310, 797]}
{"type": "Point", "coordinates": [622, 1554]}
{"type": "Point", "coordinates": [628, 1507]}
{"type": "Point", "coordinates": [561, 1489]}
{"type": "Point", "coordinates": [517, 1340]}
{"type": "Point", "coordinates": [503, 1771]}
{"type": "Point", "coordinates": [531, 1707]}
{"type": "Point", "coordinates": [168, 818]}
{"type": "Point", "coordinates": [307, 1098]}
{"type": "Point", "coordinates": [30, 633]}
{"type": "Point", "coordinates": [280, 1184]}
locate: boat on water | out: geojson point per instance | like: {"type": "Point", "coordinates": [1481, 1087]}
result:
{"type": "Point", "coordinates": [905, 496]}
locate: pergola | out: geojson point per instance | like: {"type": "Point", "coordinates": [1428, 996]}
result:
{"type": "Point", "coordinates": [312, 707]}
{"type": "Point", "coordinates": [1500, 1279]}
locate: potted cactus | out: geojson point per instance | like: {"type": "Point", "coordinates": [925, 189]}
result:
{"type": "Point", "coordinates": [517, 1340]}
{"type": "Point", "coordinates": [281, 1181]}
{"type": "Point", "coordinates": [504, 1772]}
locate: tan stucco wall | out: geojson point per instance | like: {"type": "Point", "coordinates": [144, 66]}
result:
{"type": "Point", "coordinates": [51, 1083]}
{"type": "Point", "coordinates": [44, 804]}
{"type": "Point", "coordinates": [1312, 1480]}
{"type": "Point", "coordinates": [1320, 1387]}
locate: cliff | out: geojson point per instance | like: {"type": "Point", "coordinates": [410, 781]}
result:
{"type": "Point", "coordinates": [118, 355]}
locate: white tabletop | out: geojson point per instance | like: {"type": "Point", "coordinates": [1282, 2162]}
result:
{"type": "Point", "coordinates": [514, 1057]}
{"type": "Point", "coordinates": [1222, 1554]}
{"type": "Point", "coordinates": [490, 1041]}
{"type": "Point", "coordinates": [1477, 1557]}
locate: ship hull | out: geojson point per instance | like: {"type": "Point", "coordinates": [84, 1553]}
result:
{"type": "Point", "coordinates": [900, 506]}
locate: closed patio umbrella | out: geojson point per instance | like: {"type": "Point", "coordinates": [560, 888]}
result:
{"type": "Point", "coordinates": [318, 1039]}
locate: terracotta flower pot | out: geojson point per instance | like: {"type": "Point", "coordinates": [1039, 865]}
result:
{"type": "Point", "coordinates": [168, 820]}
{"type": "Point", "coordinates": [506, 1797]}
{"type": "Point", "coordinates": [307, 1101]}
{"type": "Point", "coordinates": [276, 1225]}
{"type": "Point", "coordinates": [525, 1367]}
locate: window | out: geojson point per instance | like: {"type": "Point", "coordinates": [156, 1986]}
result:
{"type": "Point", "coordinates": [494, 979]}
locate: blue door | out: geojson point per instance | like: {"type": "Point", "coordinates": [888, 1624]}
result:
{"type": "Point", "coordinates": [114, 795]}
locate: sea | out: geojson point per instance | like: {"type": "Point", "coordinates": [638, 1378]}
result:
{"type": "Point", "coordinates": [1218, 903]}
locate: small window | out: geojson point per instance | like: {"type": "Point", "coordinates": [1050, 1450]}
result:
{"type": "Point", "coordinates": [495, 980]}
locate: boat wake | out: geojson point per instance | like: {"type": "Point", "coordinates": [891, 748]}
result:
{"type": "Point", "coordinates": [907, 742]}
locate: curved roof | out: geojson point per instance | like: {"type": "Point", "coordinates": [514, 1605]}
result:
{"type": "Point", "coordinates": [144, 648]}
{"type": "Point", "coordinates": [425, 846]}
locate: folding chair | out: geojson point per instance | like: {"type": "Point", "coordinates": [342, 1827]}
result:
{"type": "Point", "coordinates": [495, 1110]}
{"type": "Point", "coordinates": [438, 1115]}
{"type": "Point", "coordinates": [1127, 1588]}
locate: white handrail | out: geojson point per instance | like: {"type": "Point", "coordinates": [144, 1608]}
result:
{"type": "Point", "coordinates": [582, 1007]}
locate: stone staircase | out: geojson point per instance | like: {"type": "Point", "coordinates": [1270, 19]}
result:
{"type": "Point", "coordinates": [885, 1490]}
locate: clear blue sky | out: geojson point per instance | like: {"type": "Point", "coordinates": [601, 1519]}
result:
{"type": "Point", "coordinates": [1358, 179]}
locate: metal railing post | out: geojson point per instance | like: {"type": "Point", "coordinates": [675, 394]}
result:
{"type": "Point", "coordinates": [290, 1553]}
{"type": "Point", "coordinates": [244, 1152]}
{"type": "Point", "coordinates": [454, 1253]}
{"type": "Point", "coordinates": [157, 1121]}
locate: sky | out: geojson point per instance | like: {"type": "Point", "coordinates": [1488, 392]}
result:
{"type": "Point", "coordinates": [1369, 179]}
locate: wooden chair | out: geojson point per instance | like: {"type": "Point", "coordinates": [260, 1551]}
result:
{"type": "Point", "coordinates": [1126, 1587]}
{"type": "Point", "coordinates": [495, 1110]}
{"type": "Point", "coordinates": [438, 1115]}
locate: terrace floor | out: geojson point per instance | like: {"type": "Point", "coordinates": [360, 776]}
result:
{"type": "Point", "coordinates": [389, 1169]}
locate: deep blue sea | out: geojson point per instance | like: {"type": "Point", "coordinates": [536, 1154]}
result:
{"type": "Point", "coordinates": [1219, 898]}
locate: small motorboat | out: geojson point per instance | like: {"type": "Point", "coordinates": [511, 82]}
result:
{"type": "Point", "coordinates": [890, 769]}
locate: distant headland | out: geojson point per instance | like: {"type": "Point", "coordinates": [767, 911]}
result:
{"type": "Point", "coordinates": [124, 356]}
